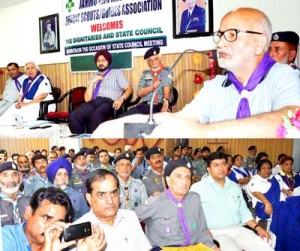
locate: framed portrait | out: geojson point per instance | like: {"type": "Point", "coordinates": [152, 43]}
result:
{"type": "Point", "coordinates": [49, 34]}
{"type": "Point", "coordinates": [192, 18]}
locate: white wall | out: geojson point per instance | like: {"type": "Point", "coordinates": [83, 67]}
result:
{"type": "Point", "coordinates": [20, 29]}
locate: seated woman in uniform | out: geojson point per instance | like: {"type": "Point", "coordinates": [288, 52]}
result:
{"type": "Point", "coordinates": [291, 178]}
{"type": "Point", "coordinates": [35, 89]}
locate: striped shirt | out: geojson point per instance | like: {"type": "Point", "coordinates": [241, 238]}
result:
{"type": "Point", "coordinates": [112, 86]}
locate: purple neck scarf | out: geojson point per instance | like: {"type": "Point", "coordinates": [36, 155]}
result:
{"type": "Point", "coordinates": [17, 83]}
{"type": "Point", "coordinates": [95, 92]}
{"type": "Point", "coordinates": [30, 81]}
{"type": "Point", "coordinates": [257, 76]}
{"type": "Point", "coordinates": [181, 215]}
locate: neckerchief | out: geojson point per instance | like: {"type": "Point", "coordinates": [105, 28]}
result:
{"type": "Point", "coordinates": [95, 92]}
{"type": "Point", "coordinates": [16, 212]}
{"type": "Point", "coordinates": [17, 83]}
{"type": "Point", "coordinates": [155, 74]}
{"type": "Point", "coordinates": [181, 215]}
{"type": "Point", "coordinates": [257, 76]}
{"type": "Point", "coordinates": [125, 187]}
{"type": "Point", "coordinates": [30, 81]}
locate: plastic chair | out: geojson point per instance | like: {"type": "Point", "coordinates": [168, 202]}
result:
{"type": "Point", "coordinates": [76, 99]}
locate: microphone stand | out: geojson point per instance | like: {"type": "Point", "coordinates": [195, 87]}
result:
{"type": "Point", "coordinates": [139, 130]}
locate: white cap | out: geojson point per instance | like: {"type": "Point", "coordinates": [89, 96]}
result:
{"type": "Point", "coordinates": [127, 148]}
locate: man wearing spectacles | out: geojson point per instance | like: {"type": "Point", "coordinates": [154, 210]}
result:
{"type": "Point", "coordinates": [283, 47]}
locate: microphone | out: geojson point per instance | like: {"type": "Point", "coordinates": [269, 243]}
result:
{"type": "Point", "coordinates": [140, 130]}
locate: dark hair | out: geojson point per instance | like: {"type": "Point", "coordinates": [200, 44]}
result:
{"type": "Point", "coordinates": [13, 63]}
{"type": "Point", "coordinates": [96, 147]}
{"type": "Point", "coordinates": [214, 156]}
{"type": "Point", "coordinates": [235, 157]}
{"type": "Point", "coordinates": [96, 175]}
{"type": "Point", "coordinates": [260, 155]}
{"type": "Point", "coordinates": [280, 156]}
{"type": "Point", "coordinates": [53, 147]}
{"type": "Point", "coordinates": [71, 150]}
{"type": "Point", "coordinates": [14, 155]}
{"type": "Point", "coordinates": [286, 158]}
{"type": "Point", "coordinates": [139, 149]}
{"type": "Point", "coordinates": [61, 148]}
{"type": "Point", "coordinates": [205, 148]}
{"type": "Point", "coordinates": [260, 163]}
{"type": "Point", "coordinates": [103, 151]}
{"type": "Point", "coordinates": [56, 196]}
{"type": "Point", "coordinates": [38, 156]}
{"type": "Point", "coordinates": [118, 149]}
{"type": "Point", "coordinates": [220, 149]}
{"type": "Point", "coordinates": [198, 149]}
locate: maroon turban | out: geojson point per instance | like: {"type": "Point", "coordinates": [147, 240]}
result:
{"type": "Point", "coordinates": [105, 54]}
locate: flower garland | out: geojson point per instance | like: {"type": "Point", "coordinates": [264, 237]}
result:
{"type": "Point", "coordinates": [130, 142]}
{"type": "Point", "coordinates": [290, 128]}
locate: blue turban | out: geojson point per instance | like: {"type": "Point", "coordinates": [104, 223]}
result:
{"type": "Point", "coordinates": [57, 164]}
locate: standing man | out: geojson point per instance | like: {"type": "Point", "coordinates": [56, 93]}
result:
{"type": "Point", "coordinates": [249, 161]}
{"type": "Point", "coordinates": [121, 227]}
{"type": "Point", "coordinates": [40, 179]}
{"type": "Point", "coordinates": [106, 91]}
{"type": "Point", "coordinates": [175, 217]}
{"type": "Point", "coordinates": [284, 46]}
{"type": "Point", "coordinates": [157, 77]}
{"type": "Point", "coordinates": [46, 217]}
{"type": "Point", "coordinates": [58, 173]}
{"type": "Point", "coordinates": [80, 172]}
{"type": "Point", "coordinates": [132, 191]}
{"type": "Point", "coordinates": [12, 202]}
{"type": "Point", "coordinates": [193, 18]}
{"type": "Point", "coordinates": [12, 87]}
{"type": "Point", "coordinates": [154, 180]}
{"type": "Point", "coordinates": [226, 211]}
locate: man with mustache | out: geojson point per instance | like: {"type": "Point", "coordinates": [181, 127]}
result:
{"type": "Point", "coordinates": [106, 91]}
{"type": "Point", "coordinates": [175, 217]}
{"type": "Point", "coordinates": [79, 173]}
{"type": "Point", "coordinates": [132, 191]}
{"type": "Point", "coordinates": [121, 227]}
{"type": "Point", "coordinates": [12, 202]}
{"type": "Point", "coordinates": [58, 173]}
{"type": "Point", "coordinates": [47, 215]}
{"type": "Point", "coordinates": [153, 179]}
{"type": "Point", "coordinates": [40, 179]}
{"type": "Point", "coordinates": [24, 168]}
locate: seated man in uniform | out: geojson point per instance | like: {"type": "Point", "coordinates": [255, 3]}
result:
{"type": "Point", "coordinates": [106, 91]}
{"type": "Point", "coordinates": [175, 217]}
{"type": "Point", "coordinates": [250, 100]}
{"type": "Point", "coordinates": [157, 77]}
{"type": "Point", "coordinates": [284, 46]}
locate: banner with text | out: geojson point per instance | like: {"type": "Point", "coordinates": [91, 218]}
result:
{"type": "Point", "coordinates": [91, 25]}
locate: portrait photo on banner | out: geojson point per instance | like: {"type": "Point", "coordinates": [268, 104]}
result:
{"type": "Point", "coordinates": [49, 34]}
{"type": "Point", "coordinates": [192, 18]}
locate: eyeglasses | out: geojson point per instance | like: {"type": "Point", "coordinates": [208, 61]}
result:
{"type": "Point", "coordinates": [230, 35]}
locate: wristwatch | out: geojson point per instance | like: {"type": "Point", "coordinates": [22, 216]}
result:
{"type": "Point", "coordinates": [165, 99]}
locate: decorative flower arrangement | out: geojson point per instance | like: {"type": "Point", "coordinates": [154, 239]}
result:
{"type": "Point", "coordinates": [198, 78]}
{"type": "Point", "coordinates": [290, 128]}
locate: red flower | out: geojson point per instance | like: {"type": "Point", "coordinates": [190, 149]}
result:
{"type": "Point", "coordinates": [198, 78]}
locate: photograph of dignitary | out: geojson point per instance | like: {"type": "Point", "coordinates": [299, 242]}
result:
{"type": "Point", "coordinates": [122, 228]}
{"type": "Point", "coordinates": [106, 91]}
{"type": "Point", "coordinates": [58, 172]}
{"type": "Point", "coordinates": [284, 46]}
{"type": "Point", "coordinates": [46, 217]}
{"type": "Point", "coordinates": [132, 191]}
{"type": "Point", "coordinates": [175, 217]}
{"type": "Point", "coordinates": [226, 211]}
{"type": "Point", "coordinates": [12, 202]}
{"type": "Point", "coordinates": [12, 87]}
{"type": "Point", "coordinates": [158, 77]}
{"type": "Point", "coordinates": [192, 18]}
{"type": "Point", "coordinates": [49, 34]}
{"type": "Point", "coordinates": [35, 89]}
{"type": "Point", "coordinates": [258, 91]}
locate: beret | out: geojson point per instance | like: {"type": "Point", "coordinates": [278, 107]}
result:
{"type": "Point", "coordinates": [57, 164]}
{"type": "Point", "coordinates": [105, 54]}
{"type": "Point", "coordinates": [90, 151]}
{"type": "Point", "coordinates": [151, 151]}
{"type": "Point", "coordinates": [173, 164]}
{"type": "Point", "coordinates": [177, 147]}
{"type": "Point", "coordinates": [151, 52]}
{"type": "Point", "coordinates": [80, 153]}
{"type": "Point", "coordinates": [123, 156]}
{"type": "Point", "coordinates": [8, 165]}
{"type": "Point", "coordinates": [286, 36]}
{"type": "Point", "coordinates": [3, 151]}
{"type": "Point", "coordinates": [250, 148]}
